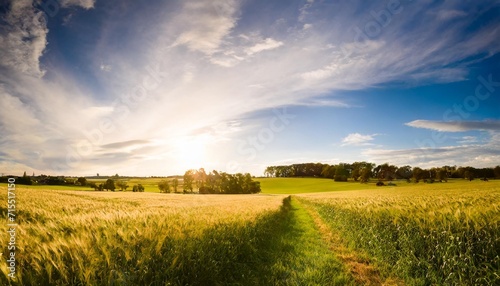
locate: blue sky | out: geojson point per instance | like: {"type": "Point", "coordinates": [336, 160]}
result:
{"type": "Point", "coordinates": [134, 88]}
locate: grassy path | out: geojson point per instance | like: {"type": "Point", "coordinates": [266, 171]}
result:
{"type": "Point", "coordinates": [303, 255]}
{"type": "Point", "coordinates": [362, 271]}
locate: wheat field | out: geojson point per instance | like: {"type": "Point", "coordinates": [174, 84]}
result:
{"type": "Point", "coordinates": [427, 234]}
{"type": "Point", "coordinates": [89, 238]}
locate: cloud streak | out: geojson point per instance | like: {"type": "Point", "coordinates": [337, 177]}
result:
{"type": "Point", "coordinates": [357, 139]}
{"type": "Point", "coordinates": [456, 126]}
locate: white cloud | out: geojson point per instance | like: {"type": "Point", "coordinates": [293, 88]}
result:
{"type": "Point", "coordinates": [267, 44]}
{"type": "Point", "coordinates": [23, 39]}
{"type": "Point", "coordinates": [307, 26]}
{"type": "Point", "coordinates": [323, 103]}
{"type": "Point", "coordinates": [87, 4]}
{"type": "Point", "coordinates": [456, 126]}
{"type": "Point", "coordinates": [357, 139]}
{"type": "Point", "coordinates": [205, 24]}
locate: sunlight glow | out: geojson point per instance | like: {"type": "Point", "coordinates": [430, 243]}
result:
{"type": "Point", "coordinates": [191, 153]}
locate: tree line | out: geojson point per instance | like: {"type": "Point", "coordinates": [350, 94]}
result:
{"type": "Point", "coordinates": [112, 185]}
{"type": "Point", "coordinates": [45, 180]}
{"type": "Point", "coordinates": [109, 185]}
{"type": "Point", "coordinates": [213, 183]}
{"type": "Point", "coordinates": [364, 171]}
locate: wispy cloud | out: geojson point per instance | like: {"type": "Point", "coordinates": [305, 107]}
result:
{"type": "Point", "coordinates": [267, 44]}
{"type": "Point", "coordinates": [468, 140]}
{"type": "Point", "coordinates": [87, 4]}
{"type": "Point", "coordinates": [456, 126]}
{"type": "Point", "coordinates": [125, 144]}
{"type": "Point", "coordinates": [205, 24]}
{"type": "Point", "coordinates": [357, 139]}
{"type": "Point", "coordinates": [468, 154]}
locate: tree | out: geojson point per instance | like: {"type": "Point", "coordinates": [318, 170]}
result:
{"type": "Point", "coordinates": [93, 185]}
{"type": "Point", "coordinates": [200, 178]}
{"type": "Point", "coordinates": [254, 187]}
{"type": "Point", "coordinates": [469, 175]}
{"type": "Point", "coordinates": [328, 171]}
{"type": "Point", "coordinates": [496, 170]}
{"type": "Point", "coordinates": [385, 172]}
{"type": "Point", "coordinates": [138, 188]}
{"type": "Point", "coordinates": [24, 180]}
{"type": "Point", "coordinates": [164, 186]}
{"type": "Point", "coordinates": [340, 174]}
{"type": "Point", "coordinates": [442, 174]}
{"type": "Point", "coordinates": [417, 174]}
{"type": "Point", "coordinates": [188, 180]}
{"type": "Point", "coordinates": [458, 173]}
{"type": "Point", "coordinates": [404, 172]}
{"type": "Point", "coordinates": [122, 185]}
{"type": "Point", "coordinates": [109, 185]}
{"type": "Point", "coordinates": [82, 181]}
{"type": "Point", "coordinates": [355, 174]}
{"type": "Point", "coordinates": [366, 173]}
{"type": "Point", "coordinates": [175, 183]}
{"type": "Point", "coordinates": [362, 171]}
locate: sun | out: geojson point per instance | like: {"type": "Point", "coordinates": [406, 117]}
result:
{"type": "Point", "coordinates": [190, 153]}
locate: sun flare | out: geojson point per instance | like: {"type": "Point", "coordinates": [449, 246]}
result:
{"type": "Point", "coordinates": [191, 153]}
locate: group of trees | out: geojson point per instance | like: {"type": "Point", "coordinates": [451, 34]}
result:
{"type": "Point", "coordinates": [364, 171]}
{"type": "Point", "coordinates": [112, 185]}
{"type": "Point", "coordinates": [219, 182]}
{"type": "Point", "coordinates": [42, 180]}
{"type": "Point", "coordinates": [166, 186]}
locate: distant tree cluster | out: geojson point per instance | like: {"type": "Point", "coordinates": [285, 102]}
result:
{"type": "Point", "coordinates": [167, 186]}
{"type": "Point", "coordinates": [364, 171]}
{"type": "Point", "coordinates": [112, 185]}
{"type": "Point", "coordinates": [219, 182]}
{"type": "Point", "coordinates": [138, 188]}
{"type": "Point", "coordinates": [45, 180]}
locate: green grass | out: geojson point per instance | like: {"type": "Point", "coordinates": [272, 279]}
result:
{"type": "Point", "coordinates": [304, 257]}
{"type": "Point", "coordinates": [308, 185]}
{"type": "Point", "coordinates": [320, 185]}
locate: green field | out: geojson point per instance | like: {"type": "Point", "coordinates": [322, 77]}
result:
{"type": "Point", "coordinates": [307, 185]}
{"type": "Point", "coordinates": [313, 185]}
{"type": "Point", "coordinates": [329, 233]}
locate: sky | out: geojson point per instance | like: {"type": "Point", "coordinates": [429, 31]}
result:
{"type": "Point", "coordinates": [153, 88]}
